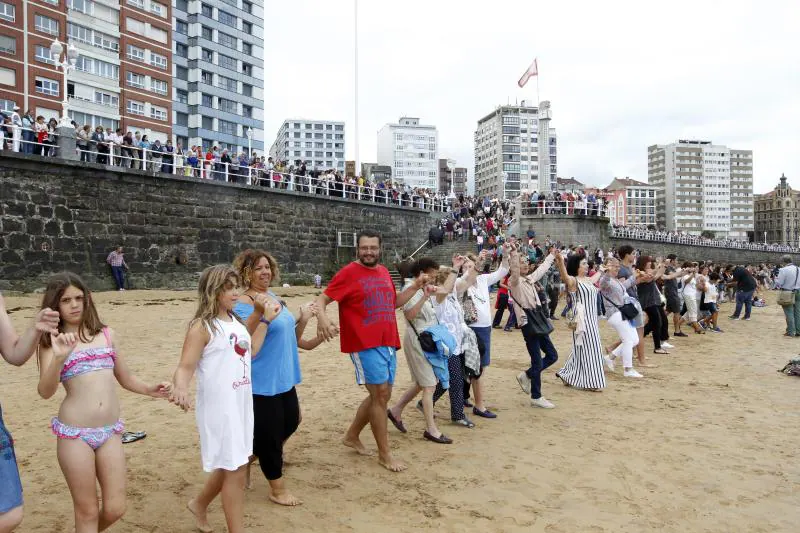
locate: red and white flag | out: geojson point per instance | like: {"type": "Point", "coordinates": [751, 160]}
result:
{"type": "Point", "coordinates": [532, 71]}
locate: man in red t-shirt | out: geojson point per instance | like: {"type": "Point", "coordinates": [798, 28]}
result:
{"type": "Point", "coordinates": [367, 302]}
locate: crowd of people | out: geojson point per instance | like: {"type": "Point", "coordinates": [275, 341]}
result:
{"type": "Point", "coordinates": [640, 233]}
{"type": "Point", "coordinates": [242, 346]}
{"type": "Point", "coordinates": [565, 203]}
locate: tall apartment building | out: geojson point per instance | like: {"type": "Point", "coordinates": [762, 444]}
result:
{"type": "Point", "coordinates": [513, 144]}
{"type": "Point", "coordinates": [702, 186]}
{"type": "Point", "coordinates": [458, 175]}
{"type": "Point", "coordinates": [122, 77]}
{"type": "Point", "coordinates": [320, 143]}
{"type": "Point", "coordinates": [219, 73]}
{"type": "Point", "coordinates": [411, 149]}
{"type": "Point", "coordinates": [777, 215]}
{"type": "Point", "coordinates": [640, 202]}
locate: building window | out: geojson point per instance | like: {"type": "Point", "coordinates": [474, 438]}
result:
{"type": "Point", "coordinates": [181, 27]}
{"type": "Point", "coordinates": [227, 62]}
{"type": "Point", "coordinates": [158, 86]}
{"type": "Point", "coordinates": [208, 101]}
{"type": "Point", "coordinates": [206, 10]}
{"type": "Point", "coordinates": [46, 25]}
{"type": "Point", "coordinates": [107, 99]}
{"type": "Point", "coordinates": [206, 77]}
{"type": "Point", "coordinates": [158, 9]}
{"type": "Point", "coordinates": [183, 5]}
{"type": "Point", "coordinates": [207, 55]}
{"type": "Point", "coordinates": [207, 33]}
{"type": "Point", "coordinates": [136, 3]}
{"type": "Point", "coordinates": [226, 18]}
{"type": "Point", "coordinates": [8, 45]}
{"type": "Point", "coordinates": [43, 54]}
{"type": "Point", "coordinates": [7, 105]}
{"type": "Point", "coordinates": [82, 6]}
{"type": "Point", "coordinates": [247, 69]}
{"type": "Point", "coordinates": [135, 108]}
{"type": "Point", "coordinates": [247, 28]}
{"type": "Point", "coordinates": [135, 53]}
{"type": "Point", "coordinates": [181, 50]}
{"type": "Point", "coordinates": [226, 127]}
{"type": "Point", "coordinates": [46, 86]}
{"type": "Point", "coordinates": [226, 40]}
{"type": "Point", "coordinates": [8, 12]}
{"type": "Point", "coordinates": [226, 83]}
{"type": "Point", "coordinates": [247, 7]}
{"type": "Point", "coordinates": [182, 73]}
{"type": "Point", "coordinates": [247, 111]}
{"type": "Point", "coordinates": [247, 49]}
{"type": "Point", "coordinates": [229, 106]}
{"type": "Point", "coordinates": [97, 67]}
{"type": "Point", "coordinates": [158, 61]}
{"type": "Point", "coordinates": [135, 80]}
{"type": "Point", "coordinates": [158, 113]}
{"type": "Point", "coordinates": [181, 119]}
{"type": "Point", "coordinates": [208, 123]}
{"type": "Point", "coordinates": [182, 96]}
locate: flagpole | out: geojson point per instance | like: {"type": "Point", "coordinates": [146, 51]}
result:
{"type": "Point", "coordinates": [537, 83]}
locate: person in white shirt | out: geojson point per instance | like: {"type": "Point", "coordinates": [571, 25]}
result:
{"type": "Point", "coordinates": [477, 290]}
{"type": "Point", "coordinates": [690, 297]}
{"type": "Point", "coordinates": [16, 132]}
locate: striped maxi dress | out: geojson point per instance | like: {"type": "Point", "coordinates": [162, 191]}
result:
{"type": "Point", "coordinates": [584, 368]}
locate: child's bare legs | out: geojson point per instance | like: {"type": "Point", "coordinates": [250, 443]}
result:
{"type": "Point", "coordinates": [233, 499]}
{"type": "Point", "coordinates": [199, 505]}
{"type": "Point", "coordinates": [11, 519]}
{"type": "Point", "coordinates": [77, 461]}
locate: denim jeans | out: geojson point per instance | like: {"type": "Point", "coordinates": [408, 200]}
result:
{"type": "Point", "coordinates": [792, 314]}
{"type": "Point", "coordinates": [119, 276]}
{"type": "Point", "coordinates": [536, 344]}
{"type": "Point", "coordinates": [746, 298]}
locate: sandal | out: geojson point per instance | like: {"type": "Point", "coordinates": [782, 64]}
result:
{"type": "Point", "coordinates": [484, 414]}
{"type": "Point", "coordinates": [397, 423]}
{"type": "Point", "coordinates": [441, 439]}
{"type": "Point", "coordinates": [130, 436]}
{"type": "Point", "coordinates": [661, 351]}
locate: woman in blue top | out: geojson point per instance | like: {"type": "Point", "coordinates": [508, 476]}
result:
{"type": "Point", "coordinates": [275, 368]}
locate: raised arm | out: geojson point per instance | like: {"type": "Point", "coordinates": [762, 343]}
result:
{"type": "Point", "coordinates": [501, 272]}
{"type": "Point", "coordinates": [447, 287]}
{"type": "Point", "coordinates": [18, 349]}
{"type": "Point", "coordinates": [406, 294]}
{"type": "Point", "coordinates": [568, 280]}
{"type": "Point", "coordinates": [541, 271]}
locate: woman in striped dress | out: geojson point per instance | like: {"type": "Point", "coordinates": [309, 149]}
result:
{"type": "Point", "coordinates": [584, 368]}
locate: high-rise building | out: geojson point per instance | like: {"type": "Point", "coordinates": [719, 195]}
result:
{"type": "Point", "coordinates": [513, 144]}
{"type": "Point", "coordinates": [219, 73]}
{"type": "Point", "coordinates": [702, 186]}
{"type": "Point", "coordinates": [411, 149]}
{"type": "Point", "coordinates": [640, 201]}
{"type": "Point", "coordinates": [123, 74]}
{"type": "Point", "coordinates": [777, 215]}
{"type": "Point", "coordinates": [458, 175]}
{"type": "Point", "coordinates": [320, 143]}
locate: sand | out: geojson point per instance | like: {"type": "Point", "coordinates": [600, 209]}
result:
{"type": "Point", "coordinates": [706, 442]}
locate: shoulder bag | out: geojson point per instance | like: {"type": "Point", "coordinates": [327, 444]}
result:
{"type": "Point", "coordinates": [470, 311]}
{"type": "Point", "coordinates": [786, 297]}
{"type": "Point", "coordinates": [628, 310]}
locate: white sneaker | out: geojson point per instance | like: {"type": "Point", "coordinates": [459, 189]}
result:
{"type": "Point", "coordinates": [632, 374]}
{"type": "Point", "coordinates": [542, 402]}
{"type": "Point", "coordinates": [609, 363]}
{"type": "Point", "coordinates": [667, 345]}
{"type": "Point", "coordinates": [524, 383]}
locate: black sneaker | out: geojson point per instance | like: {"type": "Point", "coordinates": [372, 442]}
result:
{"type": "Point", "coordinates": [680, 334]}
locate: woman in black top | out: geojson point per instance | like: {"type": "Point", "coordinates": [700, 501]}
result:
{"type": "Point", "coordinates": [650, 300]}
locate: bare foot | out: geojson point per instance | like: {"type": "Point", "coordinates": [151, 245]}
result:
{"type": "Point", "coordinates": [285, 498]}
{"type": "Point", "coordinates": [356, 445]}
{"type": "Point", "coordinates": [392, 465]}
{"type": "Point", "coordinates": [200, 517]}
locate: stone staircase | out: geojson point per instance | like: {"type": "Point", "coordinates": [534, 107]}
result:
{"type": "Point", "coordinates": [442, 254]}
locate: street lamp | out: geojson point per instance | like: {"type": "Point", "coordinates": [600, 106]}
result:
{"type": "Point", "coordinates": [249, 133]}
{"type": "Point", "coordinates": [66, 64]}
{"type": "Point", "coordinates": [451, 166]}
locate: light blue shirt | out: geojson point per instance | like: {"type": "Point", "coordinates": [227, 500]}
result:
{"type": "Point", "coordinates": [787, 276]}
{"type": "Point", "coordinates": [276, 366]}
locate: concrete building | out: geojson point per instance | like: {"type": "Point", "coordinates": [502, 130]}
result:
{"type": "Point", "coordinates": [446, 175]}
{"type": "Point", "coordinates": [218, 73]}
{"type": "Point", "coordinates": [374, 171]}
{"type": "Point", "coordinates": [320, 143]}
{"type": "Point", "coordinates": [640, 202]}
{"type": "Point", "coordinates": [123, 74]}
{"type": "Point", "coordinates": [569, 185]}
{"type": "Point", "coordinates": [515, 150]}
{"type": "Point", "coordinates": [702, 186]}
{"type": "Point", "coordinates": [411, 149]}
{"type": "Point", "coordinates": [777, 215]}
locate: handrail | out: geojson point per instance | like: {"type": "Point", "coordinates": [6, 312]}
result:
{"type": "Point", "coordinates": [421, 246]}
{"type": "Point", "coordinates": [564, 207]}
{"type": "Point", "coordinates": [694, 240]}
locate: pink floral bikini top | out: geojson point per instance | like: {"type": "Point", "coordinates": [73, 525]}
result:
{"type": "Point", "coordinates": [90, 360]}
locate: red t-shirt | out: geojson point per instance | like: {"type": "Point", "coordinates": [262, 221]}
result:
{"type": "Point", "coordinates": [366, 299]}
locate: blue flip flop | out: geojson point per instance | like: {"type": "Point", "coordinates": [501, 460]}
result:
{"type": "Point", "coordinates": [484, 414]}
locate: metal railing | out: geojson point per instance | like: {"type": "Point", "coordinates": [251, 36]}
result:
{"type": "Point", "coordinates": [563, 207]}
{"type": "Point", "coordinates": [624, 232]}
{"type": "Point", "coordinates": [241, 171]}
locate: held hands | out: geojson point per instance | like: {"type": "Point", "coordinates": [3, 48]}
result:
{"type": "Point", "coordinates": [160, 390]}
{"type": "Point", "coordinates": [63, 344]}
{"type": "Point", "coordinates": [46, 321]}
{"type": "Point", "coordinates": [421, 281]}
{"type": "Point", "coordinates": [180, 397]}
{"type": "Point", "coordinates": [430, 290]}
{"type": "Point", "coordinates": [326, 330]}
{"type": "Point", "coordinates": [308, 310]}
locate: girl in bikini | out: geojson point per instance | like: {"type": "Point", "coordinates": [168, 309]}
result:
{"type": "Point", "coordinates": [83, 356]}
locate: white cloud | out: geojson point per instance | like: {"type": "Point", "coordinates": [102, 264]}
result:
{"type": "Point", "coordinates": [620, 75]}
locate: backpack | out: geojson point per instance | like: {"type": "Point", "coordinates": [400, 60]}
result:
{"type": "Point", "coordinates": [792, 368]}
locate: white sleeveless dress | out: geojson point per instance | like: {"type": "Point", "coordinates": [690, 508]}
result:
{"type": "Point", "coordinates": [225, 398]}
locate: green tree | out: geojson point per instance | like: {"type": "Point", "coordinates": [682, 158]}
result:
{"type": "Point", "coordinates": [708, 234]}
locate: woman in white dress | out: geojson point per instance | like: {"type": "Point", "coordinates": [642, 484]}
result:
{"type": "Point", "coordinates": [219, 348]}
{"type": "Point", "coordinates": [584, 368]}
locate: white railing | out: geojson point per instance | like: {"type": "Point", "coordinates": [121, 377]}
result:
{"type": "Point", "coordinates": [624, 232]}
{"type": "Point", "coordinates": [563, 207]}
{"type": "Point", "coordinates": [142, 157]}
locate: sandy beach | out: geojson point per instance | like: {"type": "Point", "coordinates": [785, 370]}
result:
{"type": "Point", "coordinates": [707, 442]}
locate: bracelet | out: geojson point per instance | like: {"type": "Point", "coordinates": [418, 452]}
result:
{"type": "Point", "coordinates": [265, 321]}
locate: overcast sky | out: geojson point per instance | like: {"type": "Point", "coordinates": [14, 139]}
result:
{"type": "Point", "coordinates": [620, 75]}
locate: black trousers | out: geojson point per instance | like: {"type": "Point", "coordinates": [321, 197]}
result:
{"type": "Point", "coordinates": [553, 294]}
{"type": "Point", "coordinates": [657, 324]}
{"type": "Point", "coordinates": [502, 303]}
{"type": "Point", "coordinates": [275, 419]}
